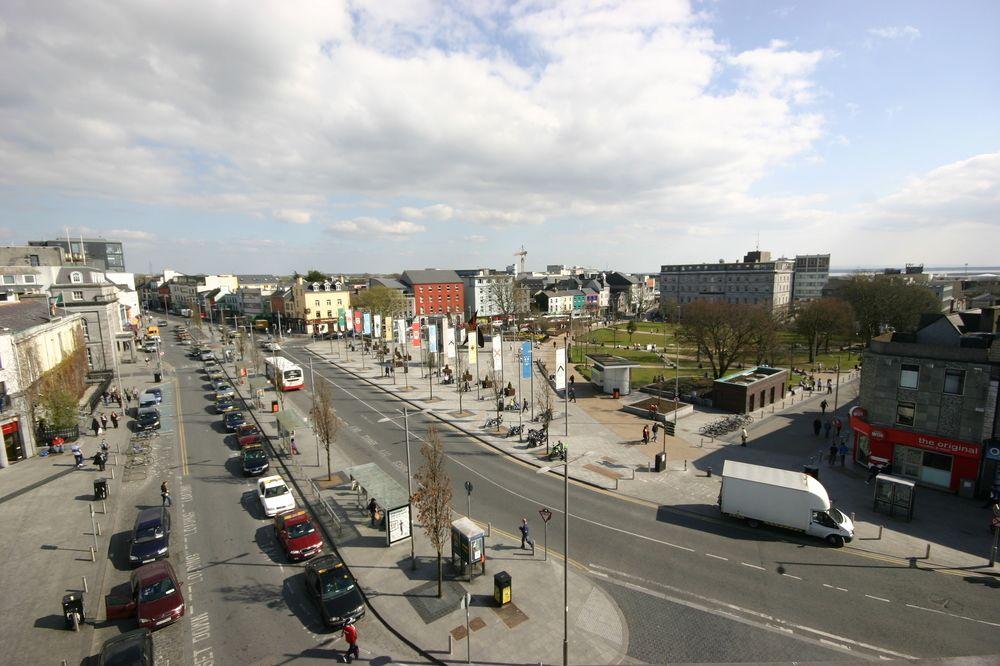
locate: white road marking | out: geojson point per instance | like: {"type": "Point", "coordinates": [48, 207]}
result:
{"type": "Point", "coordinates": [788, 575]}
{"type": "Point", "coordinates": [960, 617]}
{"type": "Point", "coordinates": [878, 598]}
{"type": "Point", "coordinates": [718, 557]}
{"type": "Point", "coordinates": [753, 566]}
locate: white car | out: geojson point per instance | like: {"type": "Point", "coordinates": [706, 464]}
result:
{"type": "Point", "coordinates": [274, 495]}
{"type": "Point", "coordinates": [272, 346]}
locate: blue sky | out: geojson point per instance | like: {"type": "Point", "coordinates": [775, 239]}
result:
{"type": "Point", "coordinates": [381, 136]}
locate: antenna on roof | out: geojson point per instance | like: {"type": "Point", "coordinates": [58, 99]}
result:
{"type": "Point", "coordinates": [758, 242]}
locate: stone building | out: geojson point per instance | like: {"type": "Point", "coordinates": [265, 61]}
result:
{"type": "Point", "coordinates": [757, 280]}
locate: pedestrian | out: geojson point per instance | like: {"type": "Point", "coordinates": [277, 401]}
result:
{"type": "Point", "coordinates": [837, 425]}
{"type": "Point", "coordinates": [104, 445]}
{"type": "Point", "coordinates": [645, 434]}
{"type": "Point", "coordinates": [295, 450]}
{"type": "Point", "coordinates": [826, 429]}
{"type": "Point", "coordinates": [372, 511]}
{"type": "Point", "coordinates": [873, 470]}
{"type": "Point", "coordinates": [829, 386]}
{"type": "Point", "coordinates": [743, 436]}
{"type": "Point", "coordinates": [842, 452]}
{"type": "Point", "coordinates": [993, 498]}
{"type": "Point", "coordinates": [572, 394]}
{"type": "Point", "coordinates": [104, 422]}
{"type": "Point", "coordinates": [832, 455]}
{"type": "Point", "coordinates": [351, 636]}
{"type": "Point", "coordinates": [817, 426]}
{"type": "Point", "coordinates": [524, 405]}
{"type": "Point", "coordinates": [95, 425]}
{"type": "Point", "coordinates": [118, 399]}
{"type": "Point", "coordinates": [100, 460]}
{"type": "Point", "coordinates": [147, 360]}
{"type": "Point", "coordinates": [128, 397]}
{"type": "Point", "coordinates": [104, 398]}
{"type": "Point", "coordinates": [823, 406]}
{"type": "Point", "coordinates": [526, 534]}
{"type": "Point", "coordinates": [114, 419]}
{"type": "Point", "coordinates": [656, 431]}
{"type": "Point", "coordinates": [165, 494]}
{"type": "Point", "coordinates": [77, 455]}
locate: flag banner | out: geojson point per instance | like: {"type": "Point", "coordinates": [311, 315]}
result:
{"type": "Point", "coordinates": [341, 319]}
{"type": "Point", "coordinates": [357, 321]}
{"type": "Point", "coordinates": [368, 323]}
{"type": "Point", "coordinates": [432, 338]}
{"type": "Point", "coordinates": [525, 360]}
{"type": "Point", "coordinates": [378, 326]}
{"type": "Point", "coordinates": [497, 354]}
{"type": "Point", "coordinates": [415, 333]}
{"type": "Point", "coordinates": [449, 341]}
{"type": "Point", "coordinates": [473, 355]}
{"type": "Point", "coordinates": [560, 368]}
{"type": "Point", "coordinates": [401, 331]}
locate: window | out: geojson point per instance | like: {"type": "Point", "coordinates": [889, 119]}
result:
{"type": "Point", "coordinates": [29, 279]}
{"type": "Point", "coordinates": [77, 295]}
{"type": "Point", "coordinates": [76, 277]}
{"type": "Point", "coordinates": [954, 382]}
{"type": "Point", "coordinates": [8, 279]}
{"type": "Point", "coordinates": [909, 376]}
{"type": "Point", "coordinates": [905, 412]}
{"type": "Point", "coordinates": [33, 260]}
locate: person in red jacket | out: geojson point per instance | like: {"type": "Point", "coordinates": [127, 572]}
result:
{"type": "Point", "coordinates": [351, 636]}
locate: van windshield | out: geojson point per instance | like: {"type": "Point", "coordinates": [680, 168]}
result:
{"type": "Point", "coordinates": [837, 516]}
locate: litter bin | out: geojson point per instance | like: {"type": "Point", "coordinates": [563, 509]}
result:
{"type": "Point", "coordinates": [157, 377]}
{"type": "Point", "coordinates": [72, 604]}
{"type": "Point", "coordinates": [100, 489]}
{"type": "Point", "coordinates": [811, 470]}
{"type": "Point", "coordinates": [274, 406]}
{"type": "Point", "coordinates": [660, 462]}
{"type": "Point", "coordinates": [967, 488]}
{"type": "Point", "coordinates": [501, 588]}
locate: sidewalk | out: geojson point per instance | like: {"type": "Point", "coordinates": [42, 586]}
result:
{"type": "Point", "coordinates": [955, 528]}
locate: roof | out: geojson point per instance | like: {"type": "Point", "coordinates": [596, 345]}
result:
{"type": "Point", "coordinates": [388, 283]}
{"type": "Point", "coordinates": [429, 276]}
{"type": "Point", "coordinates": [750, 376]}
{"type": "Point", "coordinates": [24, 314]}
{"type": "Point", "coordinates": [155, 570]}
{"type": "Point", "coordinates": [611, 361]}
{"type": "Point", "coordinates": [772, 476]}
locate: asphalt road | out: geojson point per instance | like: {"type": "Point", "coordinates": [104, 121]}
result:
{"type": "Point", "coordinates": [684, 580]}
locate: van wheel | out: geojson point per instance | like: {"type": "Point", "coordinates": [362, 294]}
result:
{"type": "Point", "coordinates": [835, 540]}
{"type": "Point", "coordinates": [753, 523]}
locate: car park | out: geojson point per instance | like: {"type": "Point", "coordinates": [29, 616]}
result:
{"type": "Point", "coordinates": [154, 597]}
{"type": "Point", "coordinates": [334, 590]}
{"type": "Point", "coordinates": [274, 495]}
{"type": "Point", "coordinates": [297, 534]}
{"type": "Point", "coordinates": [150, 538]}
{"type": "Point", "coordinates": [133, 648]}
{"type": "Point", "coordinates": [147, 418]}
{"type": "Point", "coordinates": [253, 460]}
{"type": "Point", "coordinates": [225, 405]}
{"type": "Point", "coordinates": [233, 420]}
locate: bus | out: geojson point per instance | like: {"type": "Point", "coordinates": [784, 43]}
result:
{"type": "Point", "coordinates": [289, 375]}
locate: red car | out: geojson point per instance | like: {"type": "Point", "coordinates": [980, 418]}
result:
{"type": "Point", "coordinates": [247, 429]}
{"type": "Point", "coordinates": [248, 440]}
{"type": "Point", "coordinates": [297, 534]}
{"type": "Point", "coordinates": [154, 597]}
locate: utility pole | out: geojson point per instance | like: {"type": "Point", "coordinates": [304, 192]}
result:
{"type": "Point", "coordinates": [409, 484]}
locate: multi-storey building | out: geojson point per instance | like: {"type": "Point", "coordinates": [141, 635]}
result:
{"type": "Point", "coordinates": [810, 276]}
{"type": "Point", "coordinates": [184, 289]}
{"type": "Point", "coordinates": [318, 304]}
{"type": "Point", "coordinates": [107, 255]}
{"type": "Point", "coordinates": [435, 291]}
{"type": "Point", "coordinates": [757, 280]}
{"type": "Point", "coordinates": [109, 324]}
{"type": "Point", "coordinates": [491, 293]}
{"type": "Point", "coordinates": [569, 302]}
{"type": "Point", "coordinates": [928, 402]}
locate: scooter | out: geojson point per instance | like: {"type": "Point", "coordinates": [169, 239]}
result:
{"type": "Point", "coordinates": [558, 450]}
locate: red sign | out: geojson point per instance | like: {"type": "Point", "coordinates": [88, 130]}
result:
{"type": "Point", "coordinates": [547, 515]}
{"type": "Point", "coordinates": [917, 439]}
{"type": "Point", "coordinates": [357, 321]}
{"type": "Point", "coordinates": [11, 427]}
{"type": "Point", "coordinates": [415, 328]}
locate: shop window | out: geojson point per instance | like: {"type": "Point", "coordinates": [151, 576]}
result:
{"type": "Point", "coordinates": [905, 412]}
{"type": "Point", "coordinates": [8, 279]}
{"type": "Point", "coordinates": [954, 382]}
{"type": "Point", "coordinates": [909, 376]}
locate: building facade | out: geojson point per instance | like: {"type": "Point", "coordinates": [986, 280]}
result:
{"type": "Point", "coordinates": [928, 402]}
{"type": "Point", "coordinates": [757, 280]}
{"type": "Point", "coordinates": [107, 255]}
{"type": "Point", "coordinates": [436, 292]}
{"type": "Point", "coordinates": [108, 325]}
{"type": "Point", "coordinates": [491, 293]}
{"type": "Point", "coordinates": [318, 304]}
{"type": "Point", "coordinates": [810, 276]}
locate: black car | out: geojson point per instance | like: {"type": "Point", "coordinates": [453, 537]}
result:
{"type": "Point", "coordinates": [254, 460]}
{"type": "Point", "coordinates": [133, 648]}
{"type": "Point", "coordinates": [150, 538]}
{"type": "Point", "coordinates": [234, 420]}
{"type": "Point", "coordinates": [147, 418]}
{"type": "Point", "coordinates": [334, 590]}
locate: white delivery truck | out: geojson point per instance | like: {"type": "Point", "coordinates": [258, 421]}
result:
{"type": "Point", "coordinates": [793, 500]}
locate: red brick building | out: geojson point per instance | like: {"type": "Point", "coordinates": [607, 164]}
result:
{"type": "Point", "coordinates": [435, 292]}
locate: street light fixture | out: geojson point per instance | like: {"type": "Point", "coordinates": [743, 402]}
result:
{"type": "Point", "coordinates": [542, 470]}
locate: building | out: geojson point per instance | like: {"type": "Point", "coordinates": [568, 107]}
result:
{"type": "Point", "coordinates": [109, 327]}
{"type": "Point", "coordinates": [265, 282]}
{"type": "Point", "coordinates": [409, 303]}
{"type": "Point", "coordinates": [318, 305]}
{"type": "Point", "coordinates": [107, 255]}
{"type": "Point", "coordinates": [569, 302]}
{"type": "Point", "coordinates": [436, 292]}
{"type": "Point", "coordinates": [810, 276]}
{"type": "Point", "coordinates": [490, 293]}
{"type": "Point", "coordinates": [928, 402]}
{"type": "Point", "coordinates": [21, 268]}
{"type": "Point", "coordinates": [757, 280]}
{"type": "Point", "coordinates": [32, 342]}
{"type": "Point", "coordinates": [184, 289]}
{"type": "Point", "coordinates": [744, 391]}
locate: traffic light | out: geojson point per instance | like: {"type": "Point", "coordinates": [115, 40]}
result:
{"type": "Point", "coordinates": [668, 427]}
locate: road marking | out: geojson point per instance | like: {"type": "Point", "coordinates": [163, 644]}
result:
{"type": "Point", "coordinates": [842, 589]}
{"type": "Point", "coordinates": [718, 557]}
{"type": "Point", "coordinates": [788, 575]}
{"type": "Point", "coordinates": [181, 442]}
{"type": "Point", "coordinates": [960, 617]}
{"type": "Point", "coordinates": [753, 566]}
{"type": "Point", "coordinates": [878, 598]}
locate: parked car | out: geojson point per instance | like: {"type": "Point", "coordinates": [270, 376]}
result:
{"type": "Point", "coordinates": [154, 597]}
{"type": "Point", "coordinates": [250, 440]}
{"type": "Point", "coordinates": [297, 534]}
{"type": "Point", "coordinates": [233, 420]}
{"type": "Point", "coordinates": [254, 461]}
{"type": "Point", "coordinates": [333, 588]}
{"type": "Point", "coordinates": [272, 346]}
{"type": "Point", "coordinates": [224, 391]}
{"type": "Point", "coordinates": [225, 405]}
{"type": "Point", "coordinates": [163, 322]}
{"type": "Point", "coordinates": [274, 495]}
{"type": "Point", "coordinates": [206, 356]}
{"type": "Point", "coordinates": [150, 539]}
{"type": "Point", "coordinates": [247, 429]}
{"type": "Point", "coordinates": [147, 418]}
{"type": "Point", "coordinates": [133, 648]}
{"type": "Point", "coordinates": [157, 394]}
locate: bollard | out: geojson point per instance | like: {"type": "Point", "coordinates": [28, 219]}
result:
{"type": "Point", "coordinates": [116, 461]}
{"type": "Point", "coordinates": [928, 555]}
{"type": "Point", "coordinates": [489, 530]}
{"type": "Point", "coordinates": [98, 527]}
{"type": "Point", "coordinates": [85, 584]}
{"type": "Point", "coordinates": [451, 644]}
{"type": "Point", "coordinates": [112, 473]}
{"type": "Point", "coordinates": [104, 507]}
{"type": "Point", "coordinates": [93, 554]}
{"type": "Point", "coordinates": [880, 532]}
{"type": "Point", "coordinates": [685, 465]}
{"type": "Point", "coordinates": [709, 473]}
{"type": "Point", "coordinates": [852, 516]}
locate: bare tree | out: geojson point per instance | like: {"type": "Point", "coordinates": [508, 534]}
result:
{"type": "Point", "coordinates": [196, 316]}
{"type": "Point", "coordinates": [496, 387]}
{"type": "Point", "coordinates": [722, 332]}
{"type": "Point", "coordinates": [544, 401]}
{"type": "Point", "coordinates": [433, 497]}
{"type": "Point", "coordinates": [324, 420]}
{"type": "Point", "coordinates": [502, 293]}
{"type": "Point", "coordinates": [822, 318]}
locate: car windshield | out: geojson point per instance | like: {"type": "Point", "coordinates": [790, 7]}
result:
{"type": "Point", "coordinates": [837, 516]}
{"type": "Point", "coordinates": [255, 455]}
{"type": "Point", "coordinates": [301, 529]}
{"type": "Point", "coordinates": [158, 590]}
{"type": "Point", "coordinates": [275, 491]}
{"type": "Point", "coordinates": [149, 533]}
{"type": "Point", "coordinates": [335, 583]}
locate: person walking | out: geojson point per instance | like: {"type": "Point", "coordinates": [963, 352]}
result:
{"type": "Point", "coordinates": [524, 405]}
{"type": "Point", "coordinates": [837, 425]}
{"type": "Point", "coordinates": [77, 455]}
{"type": "Point", "coordinates": [351, 636]}
{"type": "Point", "coordinates": [526, 534]}
{"type": "Point", "coordinates": [114, 419]}
{"type": "Point", "coordinates": [100, 460]}
{"type": "Point", "coordinates": [95, 425]}
{"type": "Point", "coordinates": [656, 431]}
{"type": "Point", "coordinates": [832, 454]}
{"type": "Point", "coordinates": [873, 470]}
{"type": "Point", "coordinates": [829, 386]}
{"type": "Point", "coordinates": [104, 422]}
{"type": "Point", "coordinates": [165, 494]}
{"type": "Point", "coordinates": [372, 512]}
{"type": "Point", "coordinates": [817, 426]}
{"type": "Point", "coordinates": [826, 429]}
{"type": "Point", "coordinates": [572, 394]}
{"type": "Point", "coordinates": [743, 436]}
{"type": "Point", "coordinates": [291, 442]}
{"type": "Point", "coordinates": [842, 452]}
{"type": "Point", "coordinates": [645, 434]}
{"type": "Point", "coordinates": [823, 406]}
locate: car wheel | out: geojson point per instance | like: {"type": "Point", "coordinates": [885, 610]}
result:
{"type": "Point", "coordinates": [753, 523]}
{"type": "Point", "coordinates": [835, 540]}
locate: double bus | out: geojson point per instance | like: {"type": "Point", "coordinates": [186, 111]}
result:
{"type": "Point", "coordinates": [289, 375]}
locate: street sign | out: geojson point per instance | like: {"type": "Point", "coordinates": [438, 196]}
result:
{"type": "Point", "coordinates": [468, 487]}
{"type": "Point", "coordinates": [547, 515]}
{"type": "Point", "coordinates": [996, 521]}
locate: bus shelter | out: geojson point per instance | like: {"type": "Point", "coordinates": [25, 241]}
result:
{"type": "Point", "coordinates": [288, 422]}
{"type": "Point", "coordinates": [390, 498]}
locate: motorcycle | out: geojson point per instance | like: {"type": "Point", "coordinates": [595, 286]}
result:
{"type": "Point", "coordinates": [536, 437]}
{"type": "Point", "coordinates": [514, 430]}
{"type": "Point", "coordinates": [558, 450]}
{"type": "Point", "coordinates": [493, 423]}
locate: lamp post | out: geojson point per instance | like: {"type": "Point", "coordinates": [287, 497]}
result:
{"type": "Point", "coordinates": [409, 482]}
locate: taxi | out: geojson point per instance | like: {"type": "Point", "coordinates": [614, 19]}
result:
{"type": "Point", "coordinates": [297, 534]}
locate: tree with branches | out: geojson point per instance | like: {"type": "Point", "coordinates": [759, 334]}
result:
{"type": "Point", "coordinates": [432, 498]}
{"type": "Point", "coordinates": [544, 402]}
{"type": "Point", "coordinates": [324, 420]}
{"type": "Point", "coordinates": [722, 332]}
{"type": "Point", "coordinates": [886, 301]}
{"type": "Point", "coordinates": [502, 294]}
{"type": "Point", "coordinates": [817, 320]}
{"type": "Point", "coordinates": [630, 328]}
{"type": "Point", "coordinates": [315, 276]}
{"type": "Point", "coordinates": [381, 301]}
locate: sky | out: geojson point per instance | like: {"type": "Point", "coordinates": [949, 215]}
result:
{"type": "Point", "coordinates": [380, 136]}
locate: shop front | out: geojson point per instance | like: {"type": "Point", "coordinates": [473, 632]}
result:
{"type": "Point", "coordinates": [13, 443]}
{"type": "Point", "coordinates": [938, 462]}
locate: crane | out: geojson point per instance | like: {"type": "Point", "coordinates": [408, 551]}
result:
{"type": "Point", "coordinates": [522, 253]}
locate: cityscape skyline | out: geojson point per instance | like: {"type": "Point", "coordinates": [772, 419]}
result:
{"type": "Point", "coordinates": [381, 137]}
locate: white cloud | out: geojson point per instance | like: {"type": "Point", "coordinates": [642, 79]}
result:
{"type": "Point", "coordinates": [366, 227]}
{"type": "Point", "coordinates": [130, 234]}
{"type": "Point", "coordinates": [475, 238]}
{"type": "Point", "coordinates": [293, 216]}
{"type": "Point", "coordinates": [776, 71]}
{"type": "Point", "coordinates": [435, 212]}
{"type": "Point", "coordinates": [907, 32]}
